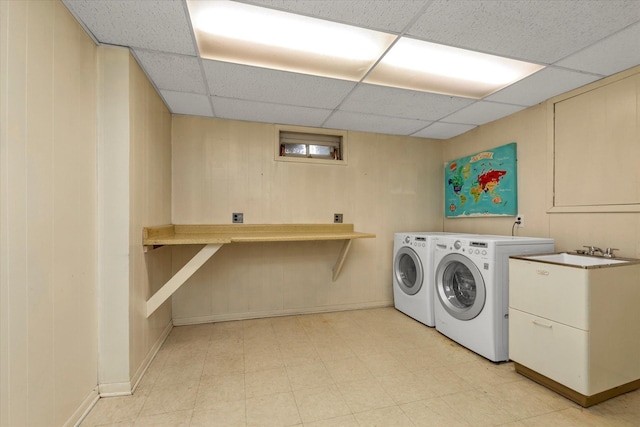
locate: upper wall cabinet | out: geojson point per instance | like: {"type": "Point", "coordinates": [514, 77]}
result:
{"type": "Point", "coordinates": [594, 135]}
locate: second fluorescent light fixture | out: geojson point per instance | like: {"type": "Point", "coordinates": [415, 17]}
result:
{"type": "Point", "coordinates": [251, 35]}
{"type": "Point", "coordinates": [429, 67]}
{"type": "Point", "coordinates": [244, 34]}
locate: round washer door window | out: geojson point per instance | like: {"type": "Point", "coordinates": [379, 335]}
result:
{"type": "Point", "coordinates": [407, 269]}
{"type": "Point", "coordinates": [460, 287]}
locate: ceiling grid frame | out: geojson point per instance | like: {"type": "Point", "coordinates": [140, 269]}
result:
{"type": "Point", "coordinates": [607, 29]}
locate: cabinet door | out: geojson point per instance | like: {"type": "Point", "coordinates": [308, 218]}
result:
{"type": "Point", "coordinates": [552, 349]}
{"type": "Point", "coordinates": [596, 146]}
{"type": "Point", "coordinates": [554, 292]}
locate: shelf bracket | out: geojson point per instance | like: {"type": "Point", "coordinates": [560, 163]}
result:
{"type": "Point", "coordinates": [341, 257]}
{"type": "Point", "coordinates": [181, 277]}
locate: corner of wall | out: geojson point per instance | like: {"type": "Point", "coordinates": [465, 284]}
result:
{"type": "Point", "coordinates": [149, 204]}
{"type": "Point", "coordinates": [113, 218]}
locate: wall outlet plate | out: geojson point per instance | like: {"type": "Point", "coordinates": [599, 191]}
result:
{"type": "Point", "coordinates": [237, 217]}
{"type": "Point", "coordinates": [337, 218]}
{"type": "Point", "coordinates": [520, 221]}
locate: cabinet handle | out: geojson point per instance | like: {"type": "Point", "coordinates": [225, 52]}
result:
{"type": "Point", "coordinates": [535, 322]}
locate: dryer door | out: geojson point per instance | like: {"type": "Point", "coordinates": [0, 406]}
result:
{"type": "Point", "coordinates": [408, 272]}
{"type": "Point", "coordinates": [460, 286]}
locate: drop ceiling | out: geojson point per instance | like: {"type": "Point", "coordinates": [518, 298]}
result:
{"type": "Point", "coordinates": [577, 42]}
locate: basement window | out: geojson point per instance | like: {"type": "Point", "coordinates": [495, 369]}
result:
{"type": "Point", "coordinates": [310, 145]}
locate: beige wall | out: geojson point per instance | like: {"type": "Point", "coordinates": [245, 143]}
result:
{"type": "Point", "coordinates": [48, 310]}
{"type": "Point", "coordinates": [149, 204]}
{"type": "Point", "coordinates": [528, 129]}
{"type": "Point", "coordinates": [390, 184]}
{"type": "Point", "coordinates": [607, 214]}
{"type": "Point", "coordinates": [134, 191]}
{"type": "Point", "coordinates": [60, 184]}
{"type": "Point", "coordinates": [113, 223]}
{"type": "Point", "coordinates": [571, 230]}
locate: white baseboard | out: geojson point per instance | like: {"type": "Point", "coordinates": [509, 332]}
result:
{"type": "Point", "coordinates": [87, 404]}
{"type": "Point", "coordinates": [137, 377]}
{"type": "Point", "coordinates": [127, 388]}
{"type": "Point", "coordinates": [276, 313]}
{"type": "Point", "coordinates": [115, 389]}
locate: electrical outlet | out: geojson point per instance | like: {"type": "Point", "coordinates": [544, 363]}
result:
{"type": "Point", "coordinates": [337, 218]}
{"type": "Point", "coordinates": [237, 217]}
{"type": "Point", "coordinates": [520, 221]}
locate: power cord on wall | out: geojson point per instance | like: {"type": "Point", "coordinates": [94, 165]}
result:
{"type": "Point", "coordinates": [513, 227]}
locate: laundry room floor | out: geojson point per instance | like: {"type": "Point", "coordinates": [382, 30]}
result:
{"type": "Point", "coordinates": [374, 367]}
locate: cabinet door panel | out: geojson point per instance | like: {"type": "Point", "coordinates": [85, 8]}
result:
{"type": "Point", "coordinates": [554, 292]}
{"type": "Point", "coordinates": [552, 349]}
{"type": "Point", "coordinates": [596, 146]}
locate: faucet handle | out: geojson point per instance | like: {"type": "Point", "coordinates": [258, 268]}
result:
{"type": "Point", "coordinates": [591, 250]}
{"type": "Point", "coordinates": [609, 252]}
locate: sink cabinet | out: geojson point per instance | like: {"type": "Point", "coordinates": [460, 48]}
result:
{"type": "Point", "coordinates": [576, 329]}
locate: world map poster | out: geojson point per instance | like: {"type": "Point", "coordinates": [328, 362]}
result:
{"type": "Point", "coordinates": [484, 184]}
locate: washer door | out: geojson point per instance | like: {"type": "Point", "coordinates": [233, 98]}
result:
{"type": "Point", "coordinates": [460, 286]}
{"type": "Point", "coordinates": [408, 270]}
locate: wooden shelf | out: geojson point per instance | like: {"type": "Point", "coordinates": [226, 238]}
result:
{"type": "Point", "coordinates": [238, 233]}
{"type": "Point", "coordinates": [214, 236]}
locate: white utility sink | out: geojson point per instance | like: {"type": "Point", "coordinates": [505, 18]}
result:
{"type": "Point", "coordinates": [575, 260]}
{"type": "Point", "coordinates": [573, 323]}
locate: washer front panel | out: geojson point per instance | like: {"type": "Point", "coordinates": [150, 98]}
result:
{"type": "Point", "coordinates": [408, 270]}
{"type": "Point", "coordinates": [460, 286]}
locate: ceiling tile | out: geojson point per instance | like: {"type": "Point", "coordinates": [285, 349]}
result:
{"type": "Point", "coordinates": [387, 101]}
{"type": "Point", "coordinates": [376, 124]}
{"type": "Point", "coordinates": [390, 16]}
{"type": "Point", "coordinates": [173, 72]}
{"type": "Point", "coordinates": [187, 103]}
{"type": "Point", "coordinates": [237, 109]}
{"type": "Point", "coordinates": [535, 30]}
{"type": "Point", "coordinates": [483, 112]}
{"type": "Point", "coordinates": [541, 86]}
{"type": "Point", "coordinates": [279, 87]}
{"type": "Point", "coordinates": [614, 54]}
{"type": "Point", "coordinates": [582, 40]}
{"type": "Point", "coordinates": [441, 130]}
{"type": "Point", "coordinates": [150, 24]}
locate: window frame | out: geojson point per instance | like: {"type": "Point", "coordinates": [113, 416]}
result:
{"type": "Point", "coordinates": [310, 132]}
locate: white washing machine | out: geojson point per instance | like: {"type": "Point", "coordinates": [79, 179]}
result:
{"type": "Point", "coordinates": [413, 274]}
{"type": "Point", "coordinates": [471, 280]}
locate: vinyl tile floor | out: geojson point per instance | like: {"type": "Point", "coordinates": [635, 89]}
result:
{"type": "Point", "coordinates": [374, 367]}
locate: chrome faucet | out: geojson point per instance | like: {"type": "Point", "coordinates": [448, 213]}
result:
{"type": "Point", "coordinates": [591, 250]}
{"type": "Point", "coordinates": [608, 253]}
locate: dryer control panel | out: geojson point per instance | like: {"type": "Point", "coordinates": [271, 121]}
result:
{"type": "Point", "coordinates": [416, 241]}
{"type": "Point", "coordinates": [476, 249]}
{"type": "Point", "coordinates": [419, 241]}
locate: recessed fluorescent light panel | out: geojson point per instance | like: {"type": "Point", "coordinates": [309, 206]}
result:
{"type": "Point", "coordinates": [244, 34]}
{"type": "Point", "coordinates": [419, 65]}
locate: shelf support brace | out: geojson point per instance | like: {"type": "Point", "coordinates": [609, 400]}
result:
{"type": "Point", "coordinates": [180, 277]}
{"type": "Point", "coordinates": [341, 257]}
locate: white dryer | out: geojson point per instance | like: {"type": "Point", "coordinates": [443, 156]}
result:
{"type": "Point", "coordinates": [413, 274]}
{"type": "Point", "coordinates": [472, 289]}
